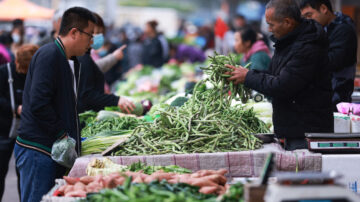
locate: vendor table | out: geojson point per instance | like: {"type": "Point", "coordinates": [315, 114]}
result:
{"type": "Point", "coordinates": [238, 164]}
{"type": "Point", "coordinates": [347, 165]}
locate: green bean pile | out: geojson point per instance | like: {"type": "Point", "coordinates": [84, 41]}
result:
{"type": "Point", "coordinates": [217, 69]}
{"type": "Point", "coordinates": [110, 124]}
{"type": "Point", "coordinates": [205, 123]}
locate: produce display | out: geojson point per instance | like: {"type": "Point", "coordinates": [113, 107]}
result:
{"type": "Point", "coordinates": [154, 191]}
{"type": "Point", "coordinates": [208, 181]}
{"type": "Point", "coordinates": [106, 167]}
{"type": "Point", "coordinates": [154, 83]}
{"type": "Point", "coordinates": [207, 122]}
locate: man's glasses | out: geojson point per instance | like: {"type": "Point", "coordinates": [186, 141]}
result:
{"type": "Point", "coordinates": [90, 35]}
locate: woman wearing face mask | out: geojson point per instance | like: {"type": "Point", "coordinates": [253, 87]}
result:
{"type": "Point", "coordinates": [18, 71]}
{"type": "Point", "coordinates": [255, 51]}
{"type": "Point", "coordinates": [91, 87]}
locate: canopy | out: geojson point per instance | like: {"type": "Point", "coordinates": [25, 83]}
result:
{"type": "Point", "coordinates": [12, 9]}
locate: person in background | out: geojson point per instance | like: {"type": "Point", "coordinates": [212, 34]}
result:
{"type": "Point", "coordinates": [56, 20]}
{"type": "Point", "coordinates": [342, 49]}
{"type": "Point", "coordinates": [18, 73]}
{"type": "Point", "coordinates": [164, 45]}
{"type": "Point", "coordinates": [153, 51]}
{"type": "Point", "coordinates": [91, 86]}
{"type": "Point", "coordinates": [49, 110]}
{"type": "Point", "coordinates": [17, 34]}
{"type": "Point", "coordinates": [5, 45]}
{"type": "Point", "coordinates": [255, 51]}
{"type": "Point", "coordinates": [298, 80]}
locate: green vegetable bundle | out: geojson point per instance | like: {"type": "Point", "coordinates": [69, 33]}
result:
{"type": "Point", "coordinates": [135, 167]}
{"type": "Point", "coordinates": [102, 141]}
{"type": "Point", "coordinates": [153, 192]}
{"type": "Point", "coordinates": [205, 123]}
{"type": "Point", "coordinates": [110, 124]}
{"type": "Point", "coordinates": [217, 72]}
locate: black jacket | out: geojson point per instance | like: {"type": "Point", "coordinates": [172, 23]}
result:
{"type": "Point", "coordinates": [298, 82]}
{"type": "Point", "coordinates": [153, 52]}
{"type": "Point", "coordinates": [5, 103]}
{"type": "Point", "coordinates": [91, 88]}
{"type": "Point", "coordinates": [342, 57]}
{"type": "Point", "coordinates": [49, 101]}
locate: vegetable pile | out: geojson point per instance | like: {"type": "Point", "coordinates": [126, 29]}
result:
{"type": "Point", "coordinates": [155, 191]}
{"type": "Point", "coordinates": [111, 124]}
{"type": "Point", "coordinates": [205, 123]}
{"type": "Point", "coordinates": [208, 181]}
{"type": "Point", "coordinates": [105, 167]}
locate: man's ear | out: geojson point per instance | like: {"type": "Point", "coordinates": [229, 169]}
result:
{"type": "Point", "coordinates": [288, 22]}
{"type": "Point", "coordinates": [72, 33]}
{"type": "Point", "coordinates": [323, 9]}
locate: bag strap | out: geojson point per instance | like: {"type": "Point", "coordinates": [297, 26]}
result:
{"type": "Point", "coordinates": [11, 88]}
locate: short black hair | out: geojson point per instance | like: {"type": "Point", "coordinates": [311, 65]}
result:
{"type": "Point", "coordinates": [6, 39]}
{"type": "Point", "coordinates": [75, 17]}
{"type": "Point", "coordinates": [248, 34]}
{"type": "Point", "coordinates": [285, 9]}
{"type": "Point", "coordinates": [315, 4]}
{"type": "Point", "coordinates": [17, 23]}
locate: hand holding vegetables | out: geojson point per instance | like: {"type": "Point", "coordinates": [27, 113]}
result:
{"type": "Point", "coordinates": [126, 105]}
{"type": "Point", "coordinates": [237, 75]}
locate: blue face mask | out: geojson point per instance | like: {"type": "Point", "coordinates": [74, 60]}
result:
{"type": "Point", "coordinates": [98, 41]}
{"type": "Point", "coordinates": [102, 53]}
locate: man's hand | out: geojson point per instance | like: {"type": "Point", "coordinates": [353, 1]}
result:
{"type": "Point", "coordinates": [19, 110]}
{"type": "Point", "coordinates": [238, 74]}
{"type": "Point", "coordinates": [126, 105]}
{"type": "Point", "coordinates": [118, 53]}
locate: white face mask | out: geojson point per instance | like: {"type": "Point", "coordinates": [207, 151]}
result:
{"type": "Point", "coordinates": [16, 38]}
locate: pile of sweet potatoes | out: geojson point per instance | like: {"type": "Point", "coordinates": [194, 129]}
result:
{"type": "Point", "coordinates": [209, 181]}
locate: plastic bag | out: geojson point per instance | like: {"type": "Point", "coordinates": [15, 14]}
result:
{"type": "Point", "coordinates": [63, 151]}
{"type": "Point", "coordinates": [348, 108]}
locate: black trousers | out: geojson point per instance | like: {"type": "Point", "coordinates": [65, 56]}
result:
{"type": "Point", "coordinates": [6, 150]}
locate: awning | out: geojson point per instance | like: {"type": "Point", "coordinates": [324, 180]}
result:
{"type": "Point", "coordinates": [12, 9]}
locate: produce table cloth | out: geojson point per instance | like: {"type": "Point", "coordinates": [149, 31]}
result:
{"type": "Point", "coordinates": [238, 164]}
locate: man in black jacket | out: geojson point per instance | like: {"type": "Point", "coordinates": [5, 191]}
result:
{"type": "Point", "coordinates": [50, 104]}
{"type": "Point", "coordinates": [342, 46]}
{"type": "Point", "coordinates": [298, 80]}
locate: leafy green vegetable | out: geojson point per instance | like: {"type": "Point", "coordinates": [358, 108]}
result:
{"type": "Point", "coordinates": [179, 101]}
{"type": "Point", "coordinates": [102, 141]}
{"type": "Point", "coordinates": [138, 111]}
{"type": "Point", "coordinates": [151, 169]}
{"type": "Point", "coordinates": [87, 117]}
{"type": "Point", "coordinates": [235, 194]}
{"type": "Point", "coordinates": [153, 192]}
{"type": "Point", "coordinates": [110, 124]}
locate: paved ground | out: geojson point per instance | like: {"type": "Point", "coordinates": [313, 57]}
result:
{"type": "Point", "coordinates": [11, 193]}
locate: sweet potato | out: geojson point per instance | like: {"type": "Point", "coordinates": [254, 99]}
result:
{"type": "Point", "coordinates": [71, 180]}
{"type": "Point", "coordinates": [138, 180]}
{"type": "Point", "coordinates": [62, 188]}
{"type": "Point", "coordinates": [79, 186]}
{"type": "Point", "coordinates": [87, 179]}
{"type": "Point", "coordinates": [218, 179]}
{"type": "Point", "coordinates": [68, 188]}
{"type": "Point", "coordinates": [208, 189]}
{"type": "Point", "coordinates": [76, 194]}
{"type": "Point", "coordinates": [201, 182]}
{"type": "Point", "coordinates": [93, 187]}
